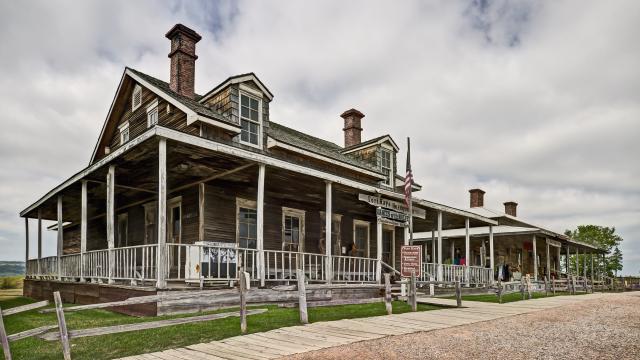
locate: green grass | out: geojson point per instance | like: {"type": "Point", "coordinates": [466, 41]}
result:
{"type": "Point", "coordinates": [506, 298]}
{"type": "Point", "coordinates": [125, 344]}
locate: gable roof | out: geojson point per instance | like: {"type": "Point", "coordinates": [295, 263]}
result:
{"type": "Point", "coordinates": [316, 145]}
{"type": "Point", "coordinates": [371, 142]}
{"type": "Point", "coordinates": [235, 80]}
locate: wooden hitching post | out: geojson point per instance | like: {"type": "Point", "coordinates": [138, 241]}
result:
{"type": "Point", "coordinates": [62, 327]}
{"type": "Point", "coordinates": [243, 302]}
{"type": "Point", "coordinates": [4, 339]}
{"type": "Point", "coordinates": [553, 286]}
{"type": "Point", "coordinates": [413, 292]}
{"type": "Point", "coordinates": [529, 286]}
{"type": "Point", "coordinates": [499, 291]}
{"type": "Point", "coordinates": [522, 287]}
{"type": "Point", "coordinates": [458, 292]}
{"type": "Point", "coordinates": [546, 288]}
{"type": "Point", "coordinates": [387, 293]}
{"type": "Point", "coordinates": [302, 297]}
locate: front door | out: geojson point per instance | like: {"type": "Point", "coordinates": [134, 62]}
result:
{"type": "Point", "coordinates": [387, 246]}
{"type": "Point", "coordinates": [176, 253]}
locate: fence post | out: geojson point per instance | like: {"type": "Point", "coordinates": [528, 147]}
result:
{"type": "Point", "coordinates": [4, 339]}
{"type": "Point", "coordinates": [553, 286]}
{"type": "Point", "coordinates": [412, 292]}
{"type": "Point", "coordinates": [573, 285]}
{"type": "Point", "coordinates": [62, 327]}
{"type": "Point", "coordinates": [499, 291]}
{"type": "Point", "coordinates": [529, 286]}
{"type": "Point", "coordinates": [546, 288]}
{"type": "Point", "coordinates": [302, 297]}
{"type": "Point", "coordinates": [458, 292]}
{"type": "Point", "coordinates": [522, 287]}
{"type": "Point", "coordinates": [387, 293]}
{"type": "Point", "coordinates": [243, 302]}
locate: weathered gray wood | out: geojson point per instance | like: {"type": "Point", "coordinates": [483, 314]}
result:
{"type": "Point", "coordinates": [83, 227]}
{"type": "Point", "coordinates": [458, 293]}
{"type": "Point", "coordinates": [499, 292]}
{"type": "Point", "coordinates": [413, 292]}
{"type": "Point", "coordinates": [73, 334]}
{"type": "Point", "coordinates": [111, 180]}
{"type": "Point", "coordinates": [553, 285]}
{"type": "Point", "coordinates": [343, 302]}
{"type": "Point", "coordinates": [4, 339]}
{"type": "Point", "coordinates": [387, 294]}
{"type": "Point", "coordinates": [161, 282]}
{"type": "Point", "coordinates": [23, 308]}
{"type": "Point", "coordinates": [260, 224]}
{"type": "Point", "coordinates": [31, 332]}
{"type": "Point", "coordinates": [243, 301]}
{"type": "Point", "coordinates": [302, 297]}
{"type": "Point", "coordinates": [60, 230]}
{"type": "Point", "coordinates": [546, 288]}
{"type": "Point", "coordinates": [62, 327]}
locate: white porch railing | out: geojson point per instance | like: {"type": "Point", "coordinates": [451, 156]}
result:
{"type": "Point", "coordinates": [353, 269]}
{"type": "Point", "coordinates": [476, 275]}
{"type": "Point", "coordinates": [480, 275]}
{"type": "Point", "coordinates": [135, 262]}
{"type": "Point", "coordinates": [190, 262]}
{"type": "Point", "coordinates": [96, 264]}
{"type": "Point", "coordinates": [282, 265]}
{"type": "Point", "coordinates": [70, 266]}
{"type": "Point", "coordinates": [429, 271]}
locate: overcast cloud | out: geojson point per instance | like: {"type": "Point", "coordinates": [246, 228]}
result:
{"type": "Point", "coordinates": [537, 102]}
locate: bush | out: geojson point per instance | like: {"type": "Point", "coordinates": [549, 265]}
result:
{"type": "Point", "coordinates": [13, 282]}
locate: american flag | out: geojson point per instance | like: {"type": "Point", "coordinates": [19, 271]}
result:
{"type": "Point", "coordinates": [408, 178]}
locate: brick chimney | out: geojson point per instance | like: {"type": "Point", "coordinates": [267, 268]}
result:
{"type": "Point", "coordinates": [510, 208]}
{"type": "Point", "coordinates": [476, 198]}
{"type": "Point", "coordinates": [183, 59]}
{"type": "Point", "coordinates": [352, 127]}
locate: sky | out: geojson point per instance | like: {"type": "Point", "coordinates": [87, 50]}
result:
{"type": "Point", "coordinates": [533, 101]}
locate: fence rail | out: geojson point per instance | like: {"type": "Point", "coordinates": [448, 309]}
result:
{"type": "Point", "coordinates": [353, 269]}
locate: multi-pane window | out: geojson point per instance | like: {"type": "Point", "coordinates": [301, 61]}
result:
{"type": "Point", "coordinates": [335, 232]}
{"type": "Point", "coordinates": [124, 133]}
{"type": "Point", "coordinates": [136, 97]}
{"type": "Point", "coordinates": [291, 233]}
{"type": "Point", "coordinates": [386, 165]}
{"type": "Point", "coordinates": [250, 120]}
{"type": "Point", "coordinates": [247, 228]}
{"type": "Point", "coordinates": [361, 239]}
{"type": "Point", "coordinates": [152, 117]}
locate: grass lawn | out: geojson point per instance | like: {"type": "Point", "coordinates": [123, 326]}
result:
{"type": "Point", "coordinates": [506, 298]}
{"type": "Point", "coordinates": [124, 344]}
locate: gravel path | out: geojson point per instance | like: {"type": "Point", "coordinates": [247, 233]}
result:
{"type": "Point", "coordinates": [606, 328]}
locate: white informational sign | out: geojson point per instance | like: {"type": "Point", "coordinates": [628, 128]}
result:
{"type": "Point", "coordinates": [392, 205]}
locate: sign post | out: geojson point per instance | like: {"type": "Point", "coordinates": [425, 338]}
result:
{"type": "Point", "coordinates": [411, 260]}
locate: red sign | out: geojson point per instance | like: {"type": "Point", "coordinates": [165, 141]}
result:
{"type": "Point", "coordinates": [410, 260]}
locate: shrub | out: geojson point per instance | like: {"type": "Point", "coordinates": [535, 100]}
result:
{"type": "Point", "coordinates": [13, 282]}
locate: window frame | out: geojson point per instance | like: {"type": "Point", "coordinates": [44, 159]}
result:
{"type": "Point", "coordinates": [336, 250]}
{"type": "Point", "coordinates": [122, 128]}
{"type": "Point", "coordinates": [150, 110]}
{"type": "Point", "coordinates": [241, 118]}
{"type": "Point", "coordinates": [392, 250]}
{"type": "Point", "coordinates": [246, 204]}
{"type": "Point", "coordinates": [356, 223]}
{"type": "Point", "coordinates": [390, 177]}
{"type": "Point", "coordinates": [137, 89]}
{"type": "Point", "coordinates": [300, 214]}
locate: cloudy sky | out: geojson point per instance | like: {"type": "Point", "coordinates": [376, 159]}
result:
{"type": "Point", "coordinates": [537, 102]}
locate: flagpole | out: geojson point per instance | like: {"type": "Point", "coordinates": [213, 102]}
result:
{"type": "Point", "coordinates": [410, 194]}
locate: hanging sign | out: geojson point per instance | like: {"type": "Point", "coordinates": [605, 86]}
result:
{"type": "Point", "coordinates": [554, 243]}
{"type": "Point", "coordinates": [392, 205]}
{"type": "Point", "coordinates": [410, 260]}
{"type": "Point", "coordinates": [392, 215]}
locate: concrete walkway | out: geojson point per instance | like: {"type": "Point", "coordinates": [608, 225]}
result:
{"type": "Point", "coordinates": [297, 339]}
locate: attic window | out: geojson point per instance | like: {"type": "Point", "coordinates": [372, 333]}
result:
{"type": "Point", "coordinates": [124, 133]}
{"type": "Point", "coordinates": [136, 97]}
{"type": "Point", "coordinates": [152, 114]}
{"type": "Point", "coordinates": [250, 120]}
{"type": "Point", "coordinates": [386, 165]}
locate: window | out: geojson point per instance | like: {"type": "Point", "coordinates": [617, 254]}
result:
{"type": "Point", "coordinates": [124, 133]}
{"type": "Point", "coordinates": [335, 233]}
{"type": "Point", "coordinates": [247, 235]}
{"type": "Point", "coordinates": [360, 238]}
{"type": "Point", "coordinates": [388, 245]}
{"type": "Point", "coordinates": [152, 114]}
{"type": "Point", "coordinates": [136, 97]}
{"type": "Point", "coordinates": [123, 225]}
{"type": "Point", "coordinates": [292, 229]}
{"type": "Point", "coordinates": [386, 165]}
{"type": "Point", "coordinates": [250, 120]}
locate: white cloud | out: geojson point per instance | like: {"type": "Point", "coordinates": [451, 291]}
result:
{"type": "Point", "coordinates": [534, 102]}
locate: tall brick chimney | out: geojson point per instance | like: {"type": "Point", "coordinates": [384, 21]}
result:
{"type": "Point", "coordinates": [476, 198]}
{"type": "Point", "coordinates": [352, 127]}
{"type": "Point", "coordinates": [183, 59]}
{"type": "Point", "coordinates": [510, 208]}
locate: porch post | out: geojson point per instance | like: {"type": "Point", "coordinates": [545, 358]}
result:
{"type": "Point", "coordinates": [328, 202]}
{"type": "Point", "coordinates": [161, 265]}
{"type": "Point", "coordinates": [567, 262]}
{"type": "Point", "coordinates": [39, 241]}
{"type": "Point", "coordinates": [491, 257]}
{"type": "Point", "coordinates": [548, 262]}
{"type": "Point", "coordinates": [535, 259]}
{"type": "Point", "coordinates": [466, 251]}
{"type": "Point", "coordinates": [110, 219]}
{"type": "Point", "coordinates": [584, 263]}
{"type": "Point", "coordinates": [433, 246]}
{"type": "Point", "coordinates": [577, 262]}
{"type": "Point", "coordinates": [453, 249]}
{"type": "Point", "coordinates": [60, 236]}
{"type": "Point", "coordinates": [260, 223]}
{"type": "Point", "coordinates": [559, 250]}
{"type": "Point", "coordinates": [26, 237]}
{"type": "Point", "coordinates": [406, 235]}
{"type": "Point", "coordinates": [83, 227]}
{"type": "Point", "coordinates": [378, 250]}
{"type": "Point", "coordinates": [592, 275]}
{"type": "Point", "coordinates": [440, 274]}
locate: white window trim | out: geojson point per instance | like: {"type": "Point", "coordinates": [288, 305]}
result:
{"type": "Point", "coordinates": [296, 213]}
{"type": "Point", "coordinates": [136, 89]}
{"type": "Point", "coordinates": [260, 125]}
{"type": "Point", "coordinates": [357, 222]}
{"type": "Point", "coordinates": [242, 203]}
{"type": "Point", "coordinates": [391, 176]}
{"type": "Point", "coordinates": [172, 203]}
{"type": "Point", "coordinates": [151, 108]}
{"type": "Point", "coordinates": [121, 128]}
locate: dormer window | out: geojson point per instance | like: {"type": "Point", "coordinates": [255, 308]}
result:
{"type": "Point", "coordinates": [136, 97]}
{"type": "Point", "coordinates": [386, 165]}
{"type": "Point", "coordinates": [124, 133]}
{"type": "Point", "coordinates": [152, 114]}
{"type": "Point", "coordinates": [251, 120]}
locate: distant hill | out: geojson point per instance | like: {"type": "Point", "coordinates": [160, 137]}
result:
{"type": "Point", "coordinates": [11, 268]}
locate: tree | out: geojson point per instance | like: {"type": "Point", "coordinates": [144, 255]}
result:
{"type": "Point", "coordinates": [605, 238]}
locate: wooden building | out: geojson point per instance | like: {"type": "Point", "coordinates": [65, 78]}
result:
{"type": "Point", "coordinates": [182, 188]}
{"type": "Point", "coordinates": [511, 249]}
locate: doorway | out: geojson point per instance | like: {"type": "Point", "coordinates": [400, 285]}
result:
{"type": "Point", "coordinates": [388, 245]}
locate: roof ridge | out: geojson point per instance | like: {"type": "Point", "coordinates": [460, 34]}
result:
{"type": "Point", "coordinates": [305, 134]}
